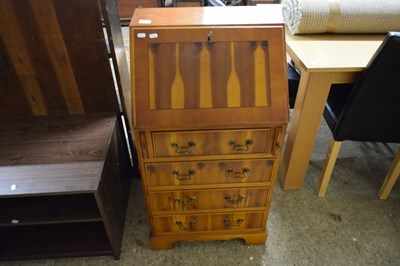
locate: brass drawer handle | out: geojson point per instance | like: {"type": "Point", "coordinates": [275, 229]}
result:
{"type": "Point", "coordinates": [241, 199]}
{"type": "Point", "coordinates": [183, 150]}
{"type": "Point", "coordinates": [237, 226]}
{"type": "Point", "coordinates": [240, 147]}
{"type": "Point", "coordinates": [238, 175]}
{"type": "Point", "coordinates": [186, 177]}
{"type": "Point", "coordinates": [189, 201]}
{"type": "Point", "coordinates": [189, 228]}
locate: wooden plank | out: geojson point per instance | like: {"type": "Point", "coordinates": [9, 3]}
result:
{"type": "Point", "coordinates": [55, 47]}
{"type": "Point", "coordinates": [55, 59]}
{"type": "Point", "coordinates": [54, 139]}
{"type": "Point", "coordinates": [109, 10]}
{"type": "Point", "coordinates": [17, 46]}
{"type": "Point", "coordinates": [85, 45]}
{"type": "Point", "coordinates": [12, 97]}
{"type": "Point", "coordinates": [43, 68]}
{"type": "Point", "coordinates": [53, 154]}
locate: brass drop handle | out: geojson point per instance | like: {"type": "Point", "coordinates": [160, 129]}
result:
{"type": "Point", "coordinates": [184, 177]}
{"type": "Point", "coordinates": [240, 147]}
{"type": "Point", "coordinates": [237, 226]}
{"type": "Point", "coordinates": [190, 200]}
{"type": "Point", "coordinates": [180, 225]}
{"type": "Point", "coordinates": [238, 201]}
{"type": "Point", "coordinates": [238, 175]}
{"type": "Point", "coordinates": [183, 150]}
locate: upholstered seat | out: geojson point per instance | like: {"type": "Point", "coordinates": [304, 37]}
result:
{"type": "Point", "coordinates": [335, 103]}
{"type": "Point", "coordinates": [367, 111]}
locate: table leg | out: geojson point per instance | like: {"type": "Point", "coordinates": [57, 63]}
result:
{"type": "Point", "coordinates": [310, 102]}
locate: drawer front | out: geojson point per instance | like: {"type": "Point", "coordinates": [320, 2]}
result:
{"type": "Point", "coordinates": [209, 172]}
{"type": "Point", "coordinates": [209, 199]}
{"type": "Point", "coordinates": [208, 222]}
{"type": "Point", "coordinates": [218, 142]}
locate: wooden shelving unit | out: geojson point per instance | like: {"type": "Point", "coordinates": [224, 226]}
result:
{"type": "Point", "coordinates": [70, 202]}
{"type": "Point", "coordinates": [65, 145]}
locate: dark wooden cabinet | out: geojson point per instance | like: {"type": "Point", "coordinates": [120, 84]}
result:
{"type": "Point", "coordinates": [63, 190]}
{"type": "Point", "coordinates": [65, 168]}
{"type": "Point", "coordinates": [210, 114]}
{"type": "Point", "coordinates": [127, 7]}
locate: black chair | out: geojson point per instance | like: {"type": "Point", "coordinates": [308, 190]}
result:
{"type": "Point", "coordinates": [293, 83]}
{"type": "Point", "coordinates": [367, 111]}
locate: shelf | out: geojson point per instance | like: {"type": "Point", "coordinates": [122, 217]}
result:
{"type": "Point", "coordinates": [71, 199]}
{"type": "Point", "coordinates": [48, 209]}
{"type": "Point", "coordinates": [39, 241]}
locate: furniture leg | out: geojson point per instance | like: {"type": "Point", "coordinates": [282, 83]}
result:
{"type": "Point", "coordinates": [331, 155]}
{"type": "Point", "coordinates": [310, 102]}
{"type": "Point", "coordinates": [390, 180]}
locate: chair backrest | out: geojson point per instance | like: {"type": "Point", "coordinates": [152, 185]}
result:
{"type": "Point", "coordinates": [372, 110]}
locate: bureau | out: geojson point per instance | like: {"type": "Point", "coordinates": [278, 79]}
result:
{"type": "Point", "coordinates": [210, 110]}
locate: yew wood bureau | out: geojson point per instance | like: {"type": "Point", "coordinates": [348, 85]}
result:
{"type": "Point", "coordinates": [210, 109]}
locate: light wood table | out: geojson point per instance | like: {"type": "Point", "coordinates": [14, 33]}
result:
{"type": "Point", "coordinates": [322, 59]}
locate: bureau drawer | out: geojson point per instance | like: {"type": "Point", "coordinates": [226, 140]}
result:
{"type": "Point", "coordinates": [209, 172]}
{"type": "Point", "coordinates": [208, 222]}
{"type": "Point", "coordinates": [210, 142]}
{"type": "Point", "coordinates": [211, 199]}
